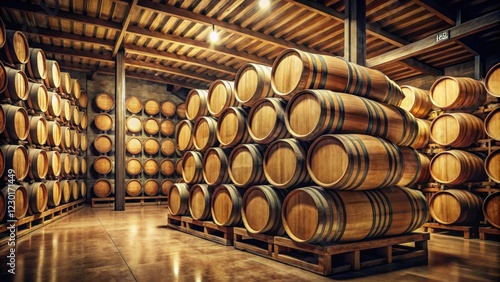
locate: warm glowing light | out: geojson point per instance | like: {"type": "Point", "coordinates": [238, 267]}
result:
{"type": "Point", "coordinates": [214, 36]}
{"type": "Point", "coordinates": [264, 3]}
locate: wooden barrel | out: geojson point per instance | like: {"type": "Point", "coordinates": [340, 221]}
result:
{"type": "Point", "coordinates": [38, 97]}
{"type": "Point", "coordinates": [133, 105]}
{"type": "Point", "coordinates": [133, 187]}
{"type": "Point", "coordinates": [75, 115]}
{"type": "Point", "coordinates": [2, 165]}
{"type": "Point", "coordinates": [412, 167]}
{"type": "Point", "coordinates": [166, 185]}
{"type": "Point", "coordinates": [83, 188]}
{"type": "Point", "coordinates": [65, 110]}
{"type": "Point", "coordinates": [184, 137]}
{"type": "Point", "coordinates": [151, 107]}
{"type": "Point", "coordinates": [491, 209]}
{"type": "Point", "coordinates": [53, 79]}
{"type": "Point", "coordinates": [216, 166]}
{"type": "Point", "coordinates": [75, 190]}
{"type": "Point", "coordinates": [246, 165]}
{"type": "Point", "coordinates": [196, 104]}
{"type": "Point", "coordinates": [457, 93]}
{"type": "Point", "coordinates": [16, 48]}
{"type": "Point", "coordinates": [492, 81]}
{"type": "Point", "coordinates": [103, 188]}
{"type": "Point", "coordinates": [151, 146]}
{"type": "Point", "coordinates": [16, 159]}
{"type": "Point", "coordinates": [455, 207]}
{"type": "Point", "coordinates": [134, 146]}
{"type": "Point", "coordinates": [75, 164]}
{"type": "Point", "coordinates": [266, 121]}
{"type": "Point", "coordinates": [53, 104]}
{"type": "Point", "coordinates": [55, 164]}
{"type": "Point", "coordinates": [221, 95]}
{"type": "Point", "coordinates": [37, 65]}
{"type": "Point", "coordinates": [192, 163]}
{"type": "Point", "coordinates": [181, 110]}
{"type": "Point", "coordinates": [492, 124]}
{"type": "Point", "coordinates": [226, 205]}
{"type": "Point", "coordinates": [318, 215]}
{"type": "Point", "coordinates": [200, 196]}
{"type": "Point", "coordinates": [294, 70]}
{"type": "Point", "coordinates": [151, 167]}
{"type": "Point", "coordinates": [65, 85]}
{"type": "Point", "coordinates": [38, 196]}
{"type": "Point", "coordinates": [134, 124]}
{"type": "Point", "coordinates": [252, 83]}
{"type": "Point", "coordinates": [167, 167]}
{"type": "Point", "coordinates": [38, 131]}
{"type": "Point", "coordinates": [104, 102]}
{"type": "Point", "coordinates": [104, 122]}
{"type": "Point", "coordinates": [2, 120]}
{"type": "Point", "coordinates": [457, 130]}
{"type": "Point", "coordinates": [178, 199]}
{"type": "Point", "coordinates": [151, 126]}
{"type": "Point", "coordinates": [455, 167]}
{"type": "Point", "coordinates": [178, 166]}
{"type": "Point", "coordinates": [17, 85]}
{"type": "Point", "coordinates": [311, 113]}
{"type": "Point", "coordinates": [3, 39]}
{"type": "Point", "coordinates": [284, 163]}
{"type": "Point", "coordinates": [83, 120]}
{"type": "Point", "coordinates": [492, 165]}
{"type": "Point", "coordinates": [425, 172]}
{"type": "Point", "coordinates": [76, 89]}
{"type": "Point", "coordinates": [83, 101]}
{"type": "Point", "coordinates": [65, 164]}
{"type": "Point", "coordinates": [151, 187]}
{"type": "Point", "coordinates": [54, 136]}
{"type": "Point", "coordinates": [261, 210]}
{"type": "Point", "coordinates": [103, 144]}
{"type": "Point", "coordinates": [205, 133]}
{"type": "Point", "coordinates": [103, 165]}
{"type": "Point", "coordinates": [133, 166]}
{"type": "Point", "coordinates": [167, 127]}
{"type": "Point", "coordinates": [19, 195]}
{"type": "Point", "coordinates": [168, 147]}
{"type": "Point", "coordinates": [84, 141]}
{"type": "Point", "coordinates": [54, 193]}
{"type": "Point", "coordinates": [3, 78]}
{"type": "Point", "coordinates": [66, 141]}
{"type": "Point", "coordinates": [417, 101]}
{"type": "Point", "coordinates": [354, 162]}
{"type": "Point", "coordinates": [232, 127]}
{"type": "Point", "coordinates": [423, 136]}
{"type": "Point", "coordinates": [83, 165]}
{"type": "Point", "coordinates": [38, 164]}
{"type": "Point", "coordinates": [168, 108]}
{"type": "Point", "coordinates": [65, 191]}
{"type": "Point", "coordinates": [3, 205]}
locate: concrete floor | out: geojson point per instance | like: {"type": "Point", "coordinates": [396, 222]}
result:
{"type": "Point", "coordinates": [135, 245]}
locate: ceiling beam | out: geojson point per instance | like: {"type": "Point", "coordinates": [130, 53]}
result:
{"type": "Point", "coordinates": [103, 57]}
{"type": "Point", "coordinates": [125, 24]}
{"type": "Point", "coordinates": [437, 9]}
{"type": "Point", "coordinates": [455, 33]}
{"type": "Point", "coordinates": [421, 67]}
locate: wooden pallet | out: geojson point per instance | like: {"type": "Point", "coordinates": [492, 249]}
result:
{"type": "Point", "coordinates": [335, 258]}
{"type": "Point", "coordinates": [175, 222]}
{"type": "Point", "coordinates": [33, 222]}
{"type": "Point", "coordinates": [468, 231]}
{"type": "Point", "coordinates": [488, 230]}
{"type": "Point", "coordinates": [130, 201]}
{"type": "Point", "coordinates": [209, 230]}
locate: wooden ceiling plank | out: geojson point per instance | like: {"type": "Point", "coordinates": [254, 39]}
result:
{"type": "Point", "coordinates": [105, 57]}
{"type": "Point", "coordinates": [437, 9]}
{"type": "Point", "coordinates": [457, 32]}
{"type": "Point", "coordinates": [421, 67]}
{"type": "Point", "coordinates": [167, 69]}
{"type": "Point", "coordinates": [125, 25]}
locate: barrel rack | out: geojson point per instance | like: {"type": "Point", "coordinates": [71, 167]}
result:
{"type": "Point", "coordinates": [130, 201]}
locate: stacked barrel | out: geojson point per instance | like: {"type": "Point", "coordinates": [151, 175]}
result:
{"type": "Point", "coordinates": [261, 142]}
{"type": "Point", "coordinates": [43, 125]}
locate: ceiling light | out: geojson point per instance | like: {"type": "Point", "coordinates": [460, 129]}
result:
{"type": "Point", "coordinates": [264, 3]}
{"type": "Point", "coordinates": [214, 36]}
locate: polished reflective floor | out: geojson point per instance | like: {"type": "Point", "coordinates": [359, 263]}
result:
{"type": "Point", "coordinates": [135, 245]}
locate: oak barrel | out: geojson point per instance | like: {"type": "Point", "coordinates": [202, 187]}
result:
{"type": "Point", "coordinates": [54, 136]}
{"type": "Point", "coordinates": [318, 215]}
{"type": "Point", "coordinates": [134, 124]}
{"type": "Point", "coordinates": [104, 102]}
{"type": "Point", "coordinates": [492, 165]}
{"type": "Point", "coordinates": [412, 167]}
{"type": "Point", "coordinates": [37, 65]}
{"type": "Point", "coordinates": [457, 130]}
{"type": "Point", "coordinates": [65, 164]}
{"type": "Point", "coordinates": [3, 78]}
{"type": "Point", "coordinates": [83, 100]}
{"type": "Point", "coordinates": [83, 120]}
{"type": "Point", "coordinates": [83, 188]}
{"type": "Point", "coordinates": [16, 158]}
{"type": "Point", "coordinates": [455, 167]}
{"type": "Point", "coordinates": [75, 115]}
{"type": "Point", "coordinates": [151, 107]}
{"type": "Point", "coordinates": [55, 164]}
{"type": "Point", "coordinates": [53, 79]}
{"type": "Point", "coordinates": [457, 207]}
{"type": "Point", "coordinates": [53, 104]}
{"type": "Point", "coordinates": [151, 146]}
{"type": "Point", "coordinates": [216, 166]}
{"type": "Point", "coordinates": [65, 85]}
{"type": "Point", "coordinates": [354, 162]}
{"type": "Point", "coordinates": [66, 140]}
{"type": "Point", "coordinates": [423, 135]}
{"type": "Point", "coordinates": [492, 124]}
{"type": "Point", "coordinates": [19, 195]}
{"type": "Point", "coordinates": [54, 193]}
{"type": "Point", "coordinates": [492, 81]}
{"type": "Point", "coordinates": [103, 165]}
{"type": "Point", "coordinates": [83, 165]}
{"type": "Point", "coordinates": [266, 121]}
{"type": "Point", "coordinates": [457, 93]}
{"type": "Point", "coordinates": [65, 110]}
{"type": "Point", "coordinates": [38, 164]}
{"type": "Point", "coordinates": [200, 196]}
{"type": "Point", "coordinates": [133, 187]}
{"type": "Point", "coordinates": [221, 95]}
{"type": "Point", "coordinates": [103, 144]}
{"type": "Point", "coordinates": [205, 133]}
{"type": "Point", "coordinates": [76, 89]}
{"type": "Point", "coordinates": [232, 127]}
{"type": "Point", "coordinates": [246, 165]}
{"type": "Point", "coordinates": [151, 126]}
{"type": "Point", "coordinates": [168, 147]}
{"type": "Point", "coordinates": [226, 205]}
{"type": "Point", "coordinates": [178, 199]}
{"type": "Point", "coordinates": [491, 209]}
{"type": "Point", "coordinates": [133, 105]}
{"type": "Point", "coordinates": [181, 110]}
{"type": "Point", "coordinates": [196, 104]}
{"type": "Point", "coordinates": [151, 167]}
{"type": "Point", "coordinates": [285, 165]}
{"type": "Point", "coordinates": [103, 188]}
{"type": "Point", "coordinates": [2, 164]}
{"type": "Point", "coordinates": [167, 167]}
{"type": "Point", "coordinates": [134, 146]}
{"type": "Point", "coordinates": [416, 101]}
{"type": "Point", "coordinates": [38, 97]}
{"type": "Point", "coordinates": [3, 39]}
{"type": "Point", "coordinates": [168, 108]}
{"type": "Point", "coordinates": [133, 166]}
{"type": "Point", "coordinates": [184, 137]}
{"type": "Point", "coordinates": [38, 131]}
{"type": "Point", "coordinates": [2, 120]}
{"type": "Point", "coordinates": [65, 191]}
{"type": "Point", "coordinates": [75, 164]}
{"type": "Point", "coordinates": [294, 70]}
{"type": "Point", "coordinates": [16, 48]}
{"type": "Point", "coordinates": [3, 206]}
{"type": "Point", "coordinates": [75, 190]}
{"type": "Point", "coordinates": [425, 169]}
{"type": "Point", "coordinates": [37, 196]}
{"type": "Point", "coordinates": [178, 166]}
{"type": "Point", "coordinates": [166, 185]}
{"type": "Point", "coordinates": [17, 85]}
{"type": "Point", "coordinates": [311, 113]}
{"type": "Point", "coordinates": [252, 83]}
{"type": "Point", "coordinates": [261, 210]}
{"type": "Point", "coordinates": [192, 163]}
{"type": "Point", "coordinates": [167, 127]}
{"type": "Point", "coordinates": [103, 122]}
